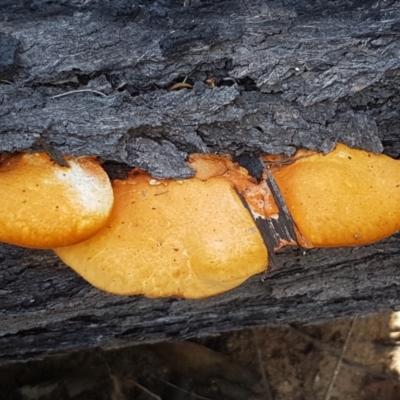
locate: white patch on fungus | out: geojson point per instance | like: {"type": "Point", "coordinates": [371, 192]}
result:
{"type": "Point", "coordinates": [86, 187]}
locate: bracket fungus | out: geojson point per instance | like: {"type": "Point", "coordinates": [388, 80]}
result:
{"type": "Point", "coordinates": [45, 205]}
{"type": "Point", "coordinates": [188, 238]}
{"type": "Point", "coordinates": [202, 236]}
{"type": "Point", "coordinates": [345, 198]}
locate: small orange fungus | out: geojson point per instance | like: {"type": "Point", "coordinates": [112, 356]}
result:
{"type": "Point", "coordinates": [188, 238]}
{"type": "Point", "coordinates": [257, 195]}
{"type": "Point", "coordinates": [345, 198]}
{"type": "Point", "coordinates": [44, 205]}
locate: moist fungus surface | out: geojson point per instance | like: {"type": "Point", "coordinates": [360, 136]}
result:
{"type": "Point", "coordinates": [345, 198]}
{"type": "Point", "coordinates": [188, 238]}
{"type": "Point", "coordinates": [44, 205]}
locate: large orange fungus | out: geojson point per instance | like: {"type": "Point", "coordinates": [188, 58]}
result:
{"type": "Point", "coordinates": [190, 238]}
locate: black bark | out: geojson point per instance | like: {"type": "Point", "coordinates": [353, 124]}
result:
{"type": "Point", "coordinates": [92, 77]}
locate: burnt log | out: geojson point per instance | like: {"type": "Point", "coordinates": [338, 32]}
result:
{"type": "Point", "coordinates": [93, 78]}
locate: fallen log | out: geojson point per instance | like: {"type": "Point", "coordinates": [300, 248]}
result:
{"type": "Point", "coordinates": [94, 78]}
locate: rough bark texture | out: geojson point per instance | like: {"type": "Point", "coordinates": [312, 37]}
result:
{"type": "Point", "coordinates": [295, 73]}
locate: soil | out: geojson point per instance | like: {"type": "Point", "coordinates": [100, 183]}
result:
{"type": "Point", "coordinates": [353, 359]}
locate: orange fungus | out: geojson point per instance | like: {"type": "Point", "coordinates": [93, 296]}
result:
{"type": "Point", "coordinates": [345, 198]}
{"type": "Point", "coordinates": [257, 195]}
{"type": "Point", "coordinates": [44, 205]}
{"type": "Point", "coordinates": [188, 238]}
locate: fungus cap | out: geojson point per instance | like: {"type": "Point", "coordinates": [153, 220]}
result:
{"type": "Point", "coordinates": [345, 198]}
{"type": "Point", "coordinates": [44, 205]}
{"type": "Point", "coordinates": [188, 238]}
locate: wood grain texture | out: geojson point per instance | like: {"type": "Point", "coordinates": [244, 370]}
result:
{"type": "Point", "coordinates": [46, 307]}
{"type": "Point", "coordinates": [289, 74]}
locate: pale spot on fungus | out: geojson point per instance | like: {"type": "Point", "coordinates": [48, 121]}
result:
{"type": "Point", "coordinates": [44, 205]}
{"type": "Point", "coordinates": [195, 240]}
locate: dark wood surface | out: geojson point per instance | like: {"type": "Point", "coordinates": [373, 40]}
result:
{"type": "Point", "coordinates": [289, 74]}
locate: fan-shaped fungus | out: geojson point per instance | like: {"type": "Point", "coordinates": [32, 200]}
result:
{"type": "Point", "coordinates": [188, 238]}
{"type": "Point", "coordinates": [44, 205]}
{"type": "Point", "coordinates": [345, 198]}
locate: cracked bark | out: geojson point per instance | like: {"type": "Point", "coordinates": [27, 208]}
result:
{"type": "Point", "coordinates": [289, 74]}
